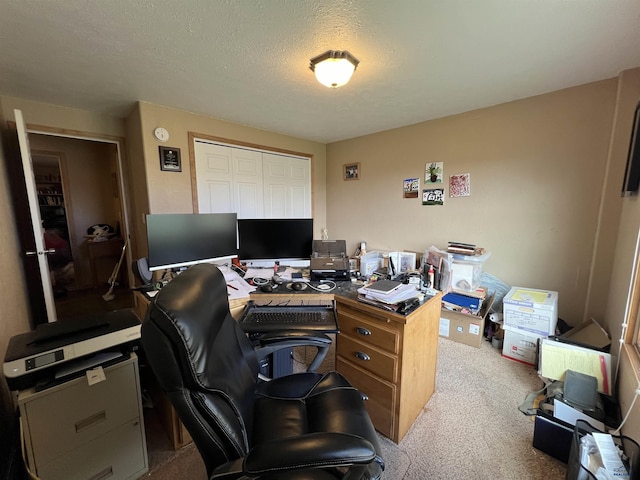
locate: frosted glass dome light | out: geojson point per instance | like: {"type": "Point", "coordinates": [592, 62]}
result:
{"type": "Point", "coordinates": [334, 68]}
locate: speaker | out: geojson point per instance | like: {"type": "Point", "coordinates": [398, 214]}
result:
{"type": "Point", "coordinates": [141, 269]}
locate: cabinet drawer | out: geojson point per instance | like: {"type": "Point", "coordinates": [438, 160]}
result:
{"type": "Point", "coordinates": [64, 417]}
{"type": "Point", "coordinates": [381, 396]}
{"type": "Point", "coordinates": [379, 363]}
{"type": "Point", "coordinates": [117, 455]}
{"type": "Point", "coordinates": [370, 332]}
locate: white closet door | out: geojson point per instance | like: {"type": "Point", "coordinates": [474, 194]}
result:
{"type": "Point", "coordinates": [287, 186]}
{"type": "Point", "coordinates": [214, 178]}
{"type": "Point", "coordinates": [247, 180]}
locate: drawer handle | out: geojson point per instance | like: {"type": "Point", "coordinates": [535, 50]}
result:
{"type": "Point", "coordinates": [106, 473]}
{"type": "Point", "coordinates": [363, 356]}
{"type": "Point", "coordinates": [363, 331]}
{"type": "Point", "coordinates": [90, 421]}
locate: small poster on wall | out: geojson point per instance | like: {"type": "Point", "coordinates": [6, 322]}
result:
{"type": "Point", "coordinates": [460, 185]}
{"type": "Point", "coordinates": [433, 172]}
{"type": "Point", "coordinates": [433, 196]}
{"type": "Point", "coordinates": [411, 188]}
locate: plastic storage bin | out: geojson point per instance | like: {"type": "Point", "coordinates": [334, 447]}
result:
{"type": "Point", "coordinates": [466, 271]}
{"type": "Point", "coordinates": [577, 471]}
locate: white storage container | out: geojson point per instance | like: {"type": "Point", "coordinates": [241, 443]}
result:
{"type": "Point", "coordinates": [466, 271]}
{"type": "Point", "coordinates": [531, 311]}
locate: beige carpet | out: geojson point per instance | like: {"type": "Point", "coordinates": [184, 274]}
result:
{"type": "Point", "coordinates": [470, 428]}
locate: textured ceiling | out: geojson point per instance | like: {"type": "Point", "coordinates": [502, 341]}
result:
{"type": "Point", "coordinates": [248, 61]}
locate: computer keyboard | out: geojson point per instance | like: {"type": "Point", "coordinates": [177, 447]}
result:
{"type": "Point", "coordinates": [259, 318]}
{"type": "Point", "coordinates": [287, 317]}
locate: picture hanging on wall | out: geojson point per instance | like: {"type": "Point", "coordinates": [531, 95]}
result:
{"type": "Point", "coordinates": [460, 185]}
{"type": "Point", "coordinates": [411, 188]}
{"type": "Point", "coordinates": [170, 159]}
{"type": "Point", "coordinates": [433, 196]}
{"type": "Point", "coordinates": [352, 171]}
{"type": "Point", "coordinates": [433, 172]}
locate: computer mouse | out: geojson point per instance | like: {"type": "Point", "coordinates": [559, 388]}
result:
{"type": "Point", "coordinates": [266, 288]}
{"type": "Point", "coordinates": [298, 286]}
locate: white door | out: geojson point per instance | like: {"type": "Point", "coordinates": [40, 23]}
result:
{"type": "Point", "coordinates": [287, 186]}
{"type": "Point", "coordinates": [38, 232]}
{"type": "Point", "coordinates": [228, 180]}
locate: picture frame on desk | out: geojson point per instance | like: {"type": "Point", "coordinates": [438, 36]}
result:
{"type": "Point", "coordinates": [351, 171]}
{"type": "Point", "coordinates": [170, 159]}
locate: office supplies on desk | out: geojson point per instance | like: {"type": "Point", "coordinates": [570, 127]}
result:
{"type": "Point", "coordinates": [237, 287]}
{"type": "Point", "coordinates": [396, 295]}
{"type": "Point", "coordinates": [268, 318]}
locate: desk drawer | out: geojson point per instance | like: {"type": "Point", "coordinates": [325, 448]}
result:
{"type": "Point", "coordinates": [370, 332]}
{"type": "Point", "coordinates": [61, 420]}
{"type": "Point", "coordinates": [117, 455]}
{"type": "Point", "coordinates": [381, 396]}
{"type": "Point", "coordinates": [364, 356]}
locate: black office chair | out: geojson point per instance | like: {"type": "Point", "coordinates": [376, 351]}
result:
{"type": "Point", "coordinates": [307, 426]}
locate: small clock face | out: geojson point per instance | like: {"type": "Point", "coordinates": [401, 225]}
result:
{"type": "Point", "coordinates": [161, 134]}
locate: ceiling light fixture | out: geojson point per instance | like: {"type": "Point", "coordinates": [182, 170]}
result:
{"type": "Point", "coordinates": [334, 68]}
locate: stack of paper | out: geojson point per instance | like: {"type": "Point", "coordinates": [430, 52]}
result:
{"type": "Point", "coordinates": [237, 287]}
{"type": "Point", "coordinates": [397, 294]}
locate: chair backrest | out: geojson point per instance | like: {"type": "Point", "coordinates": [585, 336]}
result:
{"type": "Point", "coordinates": [203, 361]}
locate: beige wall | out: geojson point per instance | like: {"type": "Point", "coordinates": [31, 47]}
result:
{"type": "Point", "coordinates": [170, 192]}
{"type": "Point", "coordinates": [15, 309]}
{"type": "Point", "coordinates": [537, 169]}
{"type": "Point", "coordinates": [627, 235]}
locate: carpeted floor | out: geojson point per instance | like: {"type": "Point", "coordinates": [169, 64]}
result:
{"type": "Point", "coordinates": [470, 428]}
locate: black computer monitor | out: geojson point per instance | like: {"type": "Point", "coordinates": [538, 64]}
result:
{"type": "Point", "coordinates": [275, 239]}
{"type": "Point", "coordinates": [182, 239]}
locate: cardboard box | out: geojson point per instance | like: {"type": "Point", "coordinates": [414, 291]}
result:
{"type": "Point", "coordinates": [520, 346]}
{"type": "Point", "coordinates": [465, 328]}
{"type": "Point", "coordinates": [590, 334]}
{"type": "Point", "coordinates": [530, 310]}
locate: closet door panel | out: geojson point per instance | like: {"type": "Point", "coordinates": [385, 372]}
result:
{"type": "Point", "coordinates": [214, 178]}
{"type": "Point", "coordinates": [252, 183]}
{"type": "Point", "coordinates": [249, 202]}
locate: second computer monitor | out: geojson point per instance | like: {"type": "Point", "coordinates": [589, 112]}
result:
{"type": "Point", "coordinates": [275, 239]}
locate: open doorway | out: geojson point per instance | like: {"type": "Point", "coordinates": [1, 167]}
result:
{"type": "Point", "coordinates": [78, 183]}
{"type": "Point", "coordinates": [47, 170]}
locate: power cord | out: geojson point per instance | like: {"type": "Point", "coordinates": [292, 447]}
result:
{"type": "Point", "coordinates": [325, 286]}
{"type": "Point", "coordinates": [633, 402]}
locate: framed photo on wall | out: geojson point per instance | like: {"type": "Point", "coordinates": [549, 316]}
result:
{"type": "Point", "coordinates": [352, 171]}
{"type": "Point", "coordinates": [170, 159]}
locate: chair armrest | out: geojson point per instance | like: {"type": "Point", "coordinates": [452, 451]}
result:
{"type": "Point", "coordinates": [269, 342]}
{"type": "Point", "coordinates": [314, 450]}
{"type": "Point", "coordinates": [303, 336]}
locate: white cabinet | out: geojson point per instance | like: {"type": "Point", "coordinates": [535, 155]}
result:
{"type": "Point", "coordinates": [87, 432]}
{"type": "Point", "coordinates": [252, 183]}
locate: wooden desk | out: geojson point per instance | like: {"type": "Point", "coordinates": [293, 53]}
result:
{"type": "Point", "coordinates": [390, 358]}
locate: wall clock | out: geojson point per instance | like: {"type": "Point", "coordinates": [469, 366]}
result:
{"type": "Point", "coordinates": [161, 134]}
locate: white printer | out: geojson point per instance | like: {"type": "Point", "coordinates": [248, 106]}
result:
{"type": "Point", "coordinates": [54, 352]}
